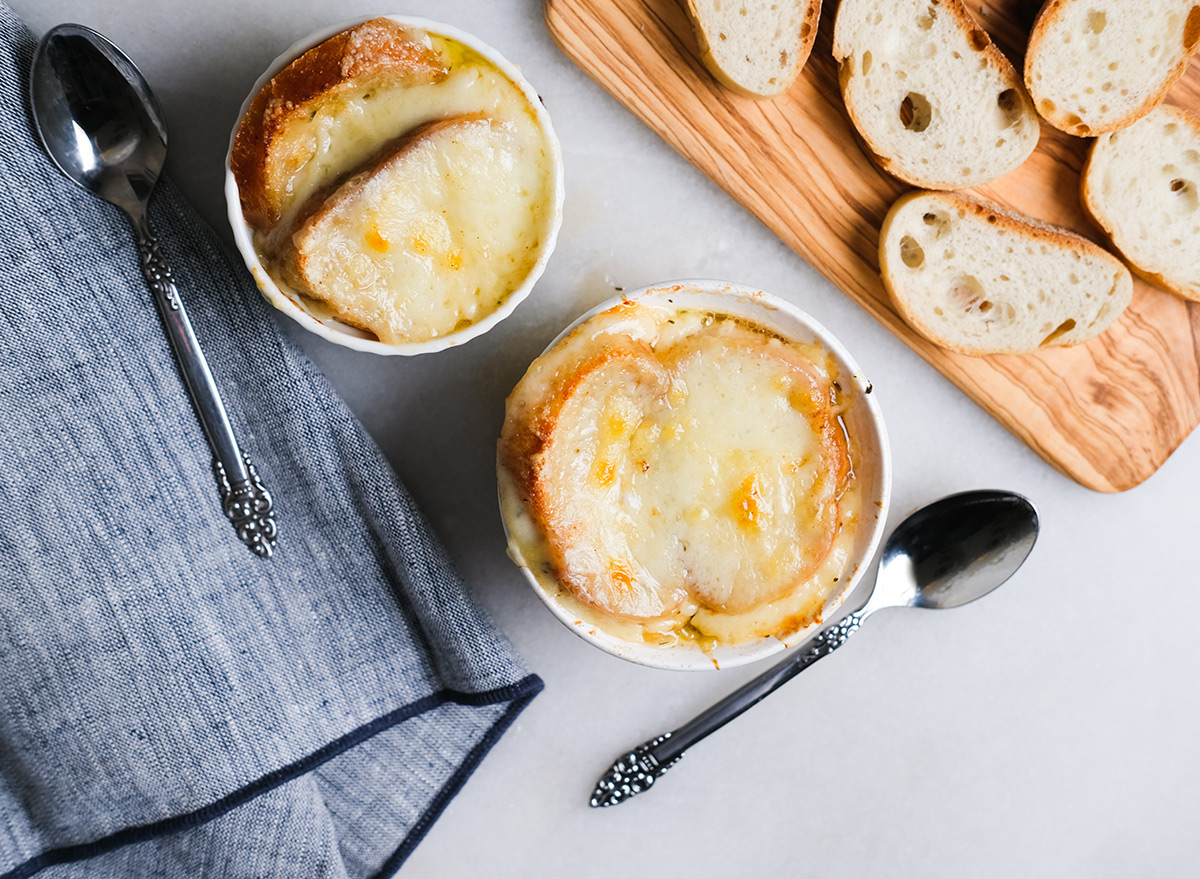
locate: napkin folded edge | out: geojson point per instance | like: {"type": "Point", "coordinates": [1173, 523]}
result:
{"type": "Point", "coordinates": [519, 695]}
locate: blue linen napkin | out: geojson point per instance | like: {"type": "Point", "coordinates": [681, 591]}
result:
{"type": "Point", "coordinates": [170, 704]}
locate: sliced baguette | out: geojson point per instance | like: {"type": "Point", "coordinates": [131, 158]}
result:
{"type": "Point", "coordinates": [1142, 186]}
{"type": "Point", "coordinates": [280, 131]}
{"type": "Point", "coordinates": [937, 104]}
{"type": "Point", "coordinates": [754, 48]}
{"type": "Point", "coordinates": [977, 279]}
{"type": "Point", "coordinates": [1095, 66]}
{"type": "Point", "coordinates": [430, 237]}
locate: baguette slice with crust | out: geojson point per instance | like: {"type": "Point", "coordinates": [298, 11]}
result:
{"type": "Point", "coordinates": [977, 279]}
{"type": "Point", "coordinates": [1095, 66]}
{"type": "Point", "coordinates": [1142, 186]}
{"type": "Point", "coordinates": [937, 104]}
{"type": "Point", "coordinates": [755, 49]}
{"type": "Point", "coordinates": [280, 130]}
{"type": "Point", "coordinates": [431, 236]}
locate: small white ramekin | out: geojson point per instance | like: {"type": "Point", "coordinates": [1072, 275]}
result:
{"type": "Point", "coordinates": [329, 327]}
{"type": "Point", "coordinates": [864, 422]}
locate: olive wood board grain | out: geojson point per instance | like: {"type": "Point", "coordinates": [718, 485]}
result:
{"type": "Point", "coordinates": [1107, 413]}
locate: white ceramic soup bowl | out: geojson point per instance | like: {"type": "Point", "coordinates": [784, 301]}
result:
{"type": "Point", "coordinates": [864, 424]}
{"type": "Point", "coordinates": [311, 314]}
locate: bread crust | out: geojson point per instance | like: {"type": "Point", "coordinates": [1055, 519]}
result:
{"type": "Point", "coordinates": [808, 37]}
{"type": "Point", "coordinates": [362, 55]}
{"type": "Point", "coordinates": [1047, 17]}
{"type": "Point", "coordinates": [1090, 201]}
{"type": "Point", "coordinates": [1004, 217]}
{"type": "Point", "coordinates": [996, 61]}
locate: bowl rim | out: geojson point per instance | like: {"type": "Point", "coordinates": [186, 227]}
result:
{"type": "Point", "coordinates": [331, 329]}
{"type": "Point", "coordinates": [728, 656]}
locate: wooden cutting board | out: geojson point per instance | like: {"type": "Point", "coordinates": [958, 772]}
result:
{"type": "Point", "coordinates": [1107, 413]}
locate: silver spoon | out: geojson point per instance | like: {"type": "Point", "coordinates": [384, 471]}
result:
{"type": "Point", "coordinates": [102, 126]}
{"type": "Point", "coordinates": [944, 555]}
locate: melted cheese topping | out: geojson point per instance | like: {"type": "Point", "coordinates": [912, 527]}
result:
{"type": "Point", "coordinates": [455, 251]}
{"type": "Point", "coordinates": [696, 482]}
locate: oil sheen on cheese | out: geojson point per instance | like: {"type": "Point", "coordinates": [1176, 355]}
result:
{"type": "Point", "coordinates": [446, 247]}
{"type": "Point", "coordinates": [698, 483]}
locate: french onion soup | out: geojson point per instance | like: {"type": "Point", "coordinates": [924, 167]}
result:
{"type": "Point", "coordinates": [397, 180]}
{"type": "Point", "coordinates": [682, 476]}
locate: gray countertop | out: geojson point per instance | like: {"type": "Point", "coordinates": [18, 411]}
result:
{"type": "Point", "coordinates": [1049, 730]}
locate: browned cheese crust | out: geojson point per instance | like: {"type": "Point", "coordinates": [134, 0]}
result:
{"type": "Point", "coordinates": [346, 189]}
{"type": "Point", "coordinates": [357, 57]}
{"type": "Point", "coordinates": [532, 428]}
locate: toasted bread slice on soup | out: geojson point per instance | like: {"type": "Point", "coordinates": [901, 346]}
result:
{"type": "Point", "coordinates": [937, 104]}
{"type": "Point", "coordinates": [977, 279]}
{"type": "Point", "coordinates": [427, 234]}
{"type": "Point", "coordinates": [1095, 66]}
{"type": "Point", "coordinates": [280, 131]}
{"type": "Point", "coordinates": [706, 470]}
{"type": "Point", "coordinates": [757, 49]}
{"type": "Point", "coordinates": [1142, 186]}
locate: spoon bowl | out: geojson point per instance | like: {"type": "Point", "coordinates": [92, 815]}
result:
{"type": "Point", "coordinates": [955, 550]}
{"type": "Point", "coordinates": [96, 115]}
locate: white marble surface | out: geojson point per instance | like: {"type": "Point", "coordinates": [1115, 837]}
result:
{"type": "Point", "coordinates": [1050, 730]}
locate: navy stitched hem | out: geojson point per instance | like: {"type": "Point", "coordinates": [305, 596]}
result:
{"type": "Point", "coordinates": [519, 693]}
{"type": "Point", "coordinates": [457, 780]}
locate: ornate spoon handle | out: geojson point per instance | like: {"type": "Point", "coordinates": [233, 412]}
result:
{"type": "Point", "coordinates": [636, 771]}
{"type": "Point", "coordinates": [244, 500]}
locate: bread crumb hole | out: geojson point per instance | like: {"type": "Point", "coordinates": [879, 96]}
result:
{"type": "Point", "coordinates": [911, 253]}
{"type": "Point", "coordinates": [723, 37]}
{"type": "Point", "coordinates": [915, 112]}
{"type": "Point", "coordinates": [925, 22]}
{"type": "Point", "coordinates": [1096, 22]}
{"type": "Point", "coordinates": [1061, 330]}
{"type": "Point", "coordinates": [1046, 106]}
{"type": "Point", "coordinates": [966, 294]}
{"type": "Point", "coordinates": [979, 40]}
{"type": "Point", "coordinates": [1170, 128]}
{"type": "Point", "coordinates": [1186, 190]}
{"type": "Point", "coordinates": [1009, 102]}
{"type": "Point", "coordinates": [866, 63]}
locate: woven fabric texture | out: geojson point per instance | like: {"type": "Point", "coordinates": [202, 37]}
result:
{"type": "Point", "coordinates": [170, 704]}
